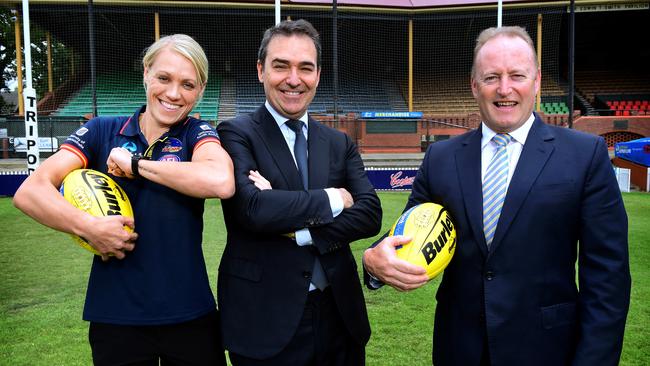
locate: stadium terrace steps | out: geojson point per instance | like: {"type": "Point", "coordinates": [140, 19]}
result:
{"type": "Point", "coordinates": [554, 108]}
{"type": "Point", "coordinates": [623, 107]}
{"type": "Point", "coordinates": [382, 160]}
{"type": "Point", "coordinates": [353, 96]}
{"type": "Point", "coordinates": [227, 107]}
{"type": "Point", "coordinates": [441, 94]}
{"type": "Point", "coordinates": [592, 83]}
{"type": "Point", "coordinates": [123, 95]}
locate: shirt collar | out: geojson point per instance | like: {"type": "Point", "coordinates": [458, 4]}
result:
{"type": "Point", "coordinates": [132, 127]}
{"type": "Point", "coordinates": [518, 135]}
{"type": "Point", "coordinates": [280, 119]}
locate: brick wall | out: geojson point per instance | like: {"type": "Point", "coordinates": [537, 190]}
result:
{"type": "Point", "coordinates": [614, 129]}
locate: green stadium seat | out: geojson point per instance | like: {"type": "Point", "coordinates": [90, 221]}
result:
{"type": "Point", "coordinates": [123, 95]}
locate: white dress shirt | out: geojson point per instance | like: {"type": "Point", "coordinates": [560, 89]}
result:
{"type": "Point", "coordinates": [303, 236]}
{"type": "Point", "coordinates": [489, 147]}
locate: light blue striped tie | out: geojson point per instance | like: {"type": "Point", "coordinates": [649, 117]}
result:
{"type": "Point", "coordinates": [495, 186]}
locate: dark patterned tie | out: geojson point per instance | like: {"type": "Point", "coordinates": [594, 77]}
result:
{"type": "Point", "coordinates": [300, 151]}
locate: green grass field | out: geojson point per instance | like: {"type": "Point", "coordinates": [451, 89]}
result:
{"type": "Point", "coordinates": [43, 282]}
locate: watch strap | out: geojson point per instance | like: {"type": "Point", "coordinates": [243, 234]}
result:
{"type": "Point", "coordinates": [135, 160]}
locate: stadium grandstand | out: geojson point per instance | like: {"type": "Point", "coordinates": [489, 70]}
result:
{"type": "Point", "coordinates": [389, 56]}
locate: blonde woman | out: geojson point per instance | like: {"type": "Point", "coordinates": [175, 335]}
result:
{"type": "Point", "coordinates": [148, 298]}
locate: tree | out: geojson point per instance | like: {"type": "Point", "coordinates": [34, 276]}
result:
{"type": "Point", "coordinates": [60, 55]}
{"type": "Point", "coordinates": [7, 47]}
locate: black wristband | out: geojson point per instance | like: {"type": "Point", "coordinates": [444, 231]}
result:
{"type": "Point", "coordinates": [135, 159]}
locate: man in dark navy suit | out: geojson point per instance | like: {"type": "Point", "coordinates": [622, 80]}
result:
{"type": "Point", "coordinates": [529, 200]}
{"type": "Point", "coordinates": [288, 289]}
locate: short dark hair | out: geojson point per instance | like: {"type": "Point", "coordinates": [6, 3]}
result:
{"type": "Point", "coordinates": [288, 28]}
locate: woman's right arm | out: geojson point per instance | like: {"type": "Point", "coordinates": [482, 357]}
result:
{"type": "Point", "coordinates": [39, 198]}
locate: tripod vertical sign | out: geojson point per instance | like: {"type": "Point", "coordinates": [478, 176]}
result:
{"type": "Point", "coordinates": [31, 123]}
{"type": "Point", "coordinates": [31, 129]}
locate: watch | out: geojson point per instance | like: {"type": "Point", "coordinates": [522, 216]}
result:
{"type": "Point", "coordinates": [135, 159]}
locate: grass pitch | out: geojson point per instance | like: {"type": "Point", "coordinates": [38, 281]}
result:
{"type": "Point", "coordinates": [43, 277]}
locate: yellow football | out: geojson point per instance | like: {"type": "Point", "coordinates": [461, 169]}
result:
{"type": "Point", "coordinates": [96, 193]}
{"type": "Point", "coordinates": [433, 237]}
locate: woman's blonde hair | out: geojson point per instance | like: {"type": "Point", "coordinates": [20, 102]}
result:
{"type": "Point", "coordinates": [185, 46]}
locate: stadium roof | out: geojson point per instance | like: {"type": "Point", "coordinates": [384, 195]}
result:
{"type": "Point", "coordinates": [385, 4]}
{"type": "Point", "coordinates": [406, 3]}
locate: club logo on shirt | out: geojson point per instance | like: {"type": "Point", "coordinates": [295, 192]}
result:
{"type": "Point", "coordinates": [169, 157]}
{"type": "Point", "coordinates": [205, 127]}
{"type": "Point", "coordinates": [130, 145]}
{"type": "Point", "coordinates": [82, 131]}
{"type": "Point", "coordinates": [172, 145]}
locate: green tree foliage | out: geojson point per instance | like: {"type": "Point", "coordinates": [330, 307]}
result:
{"type": "Point", "coordinates": [7, 47]}
{"type": "Point", "coordinates": [61, 55]}
{"type": "Point", "coordinates": [7, 53]}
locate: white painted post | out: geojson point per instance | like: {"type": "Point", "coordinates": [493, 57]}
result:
{"type": "Point", "coordinates": [31, 121]}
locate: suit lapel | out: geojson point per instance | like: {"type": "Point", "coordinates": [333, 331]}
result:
{"type": "Point", "coordinates": [468, 167]}
{"type": "Point", "coordinates": [270, 134]}
{"type": "Point", "coordinates": [319, 156]}
{"type": "Point", "coordinates": [534, 156]}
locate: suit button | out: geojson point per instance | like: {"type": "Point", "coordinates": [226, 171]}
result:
{"type": "Point", "coordinates": [489, 275]}
{"type": "Point", "coordinates": [306, 274]}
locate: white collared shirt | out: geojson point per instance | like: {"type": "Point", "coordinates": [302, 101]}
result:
{"type": "Point", "coordinates": [488, 147]}
{"type": "Point", "coordinates": [303, 236]}
{"type": "Point", "coordinates": [289, 135]}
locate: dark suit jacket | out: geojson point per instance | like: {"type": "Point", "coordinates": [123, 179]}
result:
{"type": "Point", "coordinates": [562, 204]}
{"type": "Point", "coordinates": [264, 276]}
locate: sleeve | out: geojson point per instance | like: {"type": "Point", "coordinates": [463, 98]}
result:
{"type": "Point", "coordinates": [363, 219]}
{"type": "Point", "coordinates": [419, 194]}
{"type": "Point", "coordinates": [303, 236]}
{"type": "Point", "coordinates": [200, 133]}
{"type": "Point", "coordinates": [269, 211]}
{"type": "Point", "coordinates": [603, 265]}
{"type": "Point", "coordinates": [372, 282]}
{"type": "Point", "coordinates": [83, 142]}
{"type": "Point", "coordinates": [336, 202]}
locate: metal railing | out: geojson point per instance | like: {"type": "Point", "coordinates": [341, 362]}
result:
{"type": "Point", "coordinates": [52, 131]}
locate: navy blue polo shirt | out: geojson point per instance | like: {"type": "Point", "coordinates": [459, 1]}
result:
{"type": "Point", "coordinates": [164, 279]}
